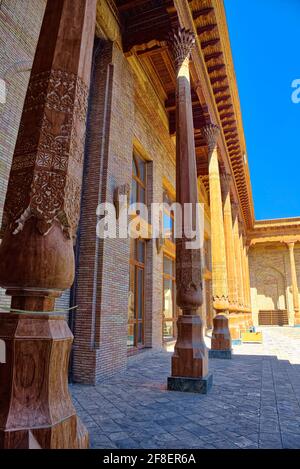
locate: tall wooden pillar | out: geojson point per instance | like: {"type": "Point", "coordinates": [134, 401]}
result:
{"type": "Point", "coordinates": [230, 258]}
{"type": "Point", "coordinates": [190, 358]}
{"type": "Point", "coordinates": [236, 237]}
{"type": "Point", "coordinates": [40, 218]}
{"type": "Point", "coordinates": [295, 290]}
{"type": "Point", "coordinates": [221, 340]}
{"type": "Point", "coordinates": [247, 279]}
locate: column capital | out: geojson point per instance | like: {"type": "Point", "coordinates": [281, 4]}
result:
{"type": "Point", "coordinates": [290, 244]}
{"type": "Point", "coordinates": [181, 42]}
{"type": "Point", "coordinates": [235, 210]}
{"type": "Point", "coordinates": [242, 228]}
{"type": "Point", "coordinates": [226, 179]}
{"type": "Point", "coordinates": [211, 134]}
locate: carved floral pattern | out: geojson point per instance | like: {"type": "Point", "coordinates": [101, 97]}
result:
{"type": "Point", "coordinates": [50, 144]}
{"type": "Point", "coordinates": [211, 133]}
{"type": "Point", "coordinates": [181, 41]}
{"type": "Point", "coordinates": [188, 268]}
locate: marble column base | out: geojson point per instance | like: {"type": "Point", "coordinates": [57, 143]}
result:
{"type": "Point", "coordinates": [184, 384]}
{"type": "Point", "coordinates": [225, 354]}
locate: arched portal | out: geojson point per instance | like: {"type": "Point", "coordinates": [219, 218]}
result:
{"type": "Point", "coordinates": [271, 296]}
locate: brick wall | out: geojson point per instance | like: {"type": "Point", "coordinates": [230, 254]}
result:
{"type": "Point", "coordinates": [20, 22]}
{"type": "Point", "coordinates": [102, 281]}
{"type": "Point", "coordinates": [270, 269]}
{"type": "Point", "coordinates": [102, 278]}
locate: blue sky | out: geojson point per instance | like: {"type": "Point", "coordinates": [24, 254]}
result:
{"type": "Point", "coordinates": [265, 45]}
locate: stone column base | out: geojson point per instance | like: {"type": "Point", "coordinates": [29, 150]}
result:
{"type": "Point", "coordinates": [183, 384]}
{"type": "Point", "coordinates": [225, 354]}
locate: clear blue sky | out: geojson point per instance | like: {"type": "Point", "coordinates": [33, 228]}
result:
{"type": "Point", "coordinates": [265, 42]}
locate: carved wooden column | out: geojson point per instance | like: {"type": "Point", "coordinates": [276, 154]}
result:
{"type": "Point", "coordinates": [236, 237]}
{"type": "Point", "coordinates": [190, 358]}
{"type": "Point", "coordinates": [244, 280]}
{"type": "Point", "coordinates": [295, 290]}
{"type": "Point", "coordinates": [221, 342]}
{"type": "Point", "coordinates": [247, 277]}
{"type": "Point", "coordinates": [40, 218]}
{"type": "Point", "coordinates": [230, 258]}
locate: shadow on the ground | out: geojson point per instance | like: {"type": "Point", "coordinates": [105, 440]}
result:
{"type": "Point", "coordinates": [254, 403]}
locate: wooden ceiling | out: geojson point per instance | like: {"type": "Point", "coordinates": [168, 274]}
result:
{"type": "Point", "coordinates": [145, 25]}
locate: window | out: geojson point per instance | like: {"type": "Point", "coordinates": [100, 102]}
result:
{"type": "Point", "coordinates": [168, 218]}
{"type": "Point", "coordinates": [138, 186]}
{"type": "Point", "coordinates": [135, 336]}
{"type": "Point", "coordinates": [169, 298]}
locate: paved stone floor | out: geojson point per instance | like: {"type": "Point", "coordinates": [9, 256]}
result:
{"type": "Point", "coordinates": [254, 402]}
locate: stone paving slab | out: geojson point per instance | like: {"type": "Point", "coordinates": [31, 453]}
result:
{"type": "Point", "coordinates": [254, 401]}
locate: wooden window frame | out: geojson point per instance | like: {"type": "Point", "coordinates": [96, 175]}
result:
{"type": "Point", "coordinates": [175, 309]}
{"type": "Point", "coordinates": [139, 181]}
{"type": "Point", "coordinates": [133, 261]}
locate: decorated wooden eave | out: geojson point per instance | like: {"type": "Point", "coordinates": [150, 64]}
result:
{"type": "Point", "coordinates": [210, 24]}
{"type": "Point", "coordinates": [143, 27]}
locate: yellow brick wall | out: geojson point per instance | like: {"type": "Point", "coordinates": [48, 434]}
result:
{"type": "Point", "coordinates": [270, 278]}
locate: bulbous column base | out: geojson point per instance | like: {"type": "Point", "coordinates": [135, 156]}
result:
{"type": "Point", "coordinates": [36, 409]}
{"type": "Point", "coordinates": [221, 339]}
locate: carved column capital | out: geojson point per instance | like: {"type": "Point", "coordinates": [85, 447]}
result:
{"type": "Point", "coordinates": [242, 228]}
{"type": "Point", "coordinates": [226, 179]}
{"type": "Point", "coordinates": [235, 209]}
{"type": "Point", "coordinates": [180, 41]}
{"type": "Point", "coordinates": [211, 134]}
{"type": "Point", "coordinates": [290, 245]}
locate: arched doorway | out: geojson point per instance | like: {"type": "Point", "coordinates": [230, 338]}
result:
{"type": "Point", "coordinates": [271, 297]}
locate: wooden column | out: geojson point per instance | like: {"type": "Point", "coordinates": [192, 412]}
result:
{"type": "Point", "coordinates": [295, 290]}
{"type": "Point", "coordinates": [40, 218]}
{"type": "Point", "coordinates": [221, 341]}
{"type": "Point", "coordinates": [247, 276]}
{"type": "Point", "coordinates": [236, 237]}
{"type": "Point", "coordinates": [245, 307]}
{"type": "Point", "coordinates": [190, 358]}
{"type": "Point", "coordinates": [230, 258]}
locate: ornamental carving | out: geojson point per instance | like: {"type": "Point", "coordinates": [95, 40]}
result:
{"type": "Point", "coordinates": [181, 42]}
{"type": "Point", "coordinates": [45, 179]}
{"type": "Point", "coordinates": [188, 269]}
{"type": "Point", "coordinates": [211, 134]}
